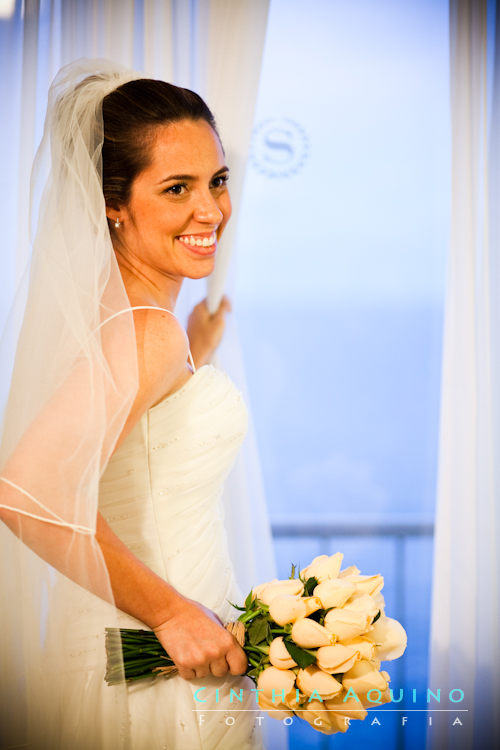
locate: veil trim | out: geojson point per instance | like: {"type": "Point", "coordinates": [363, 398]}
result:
{"type": "Point", "coordinates": [57, 520]}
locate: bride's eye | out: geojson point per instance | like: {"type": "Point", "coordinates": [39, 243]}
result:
{"type": "Point", "coordinates": [177, 189]}
{"type": "Point", "coordinates": [220, 180]}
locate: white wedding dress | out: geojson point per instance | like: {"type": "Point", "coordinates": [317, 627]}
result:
{"type": "Point", "coordinates": [161, 494]}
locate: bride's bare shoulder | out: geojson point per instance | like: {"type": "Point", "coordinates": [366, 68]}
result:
{"type": "Point", "coordinates": [162, 355]}
{"type": "Point", "coordinates": [162, 351]}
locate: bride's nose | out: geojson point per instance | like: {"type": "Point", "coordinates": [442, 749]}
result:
{"type": "Point", "coordinates": [207, 211]}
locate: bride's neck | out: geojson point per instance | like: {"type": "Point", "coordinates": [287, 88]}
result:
{"type": "Point", "coordinates": [143, 289]}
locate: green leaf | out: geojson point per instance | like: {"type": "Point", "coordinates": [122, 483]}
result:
{"type": "Point", "coordinates": [258, 631]}
{"type": "Point", "coordinates": [241, 609]}
{"type": "Point", "coordinates": [376, 617]}
{"type": "Point", "coordinates": [249, 600]}
{"type": "Point", "coordinates": [301, 656]}
{"type": "Point", "coordinates": [292, 572]}
{"type": "Point", "coordinates": [254, 673]}
{"type": "Point", "coordinates": [310, 585]}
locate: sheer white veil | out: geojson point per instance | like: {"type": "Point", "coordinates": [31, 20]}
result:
{"type": "Point", "coordinates": [71, 384]}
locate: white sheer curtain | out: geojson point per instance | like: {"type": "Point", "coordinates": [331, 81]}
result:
{"type": "Point", "coordinates": [213, 46]}
{"type": "Point", "coordinates": [465, 633]}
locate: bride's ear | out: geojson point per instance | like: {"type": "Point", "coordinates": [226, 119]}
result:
{"type": "Point", "coordinates": [114, 215]}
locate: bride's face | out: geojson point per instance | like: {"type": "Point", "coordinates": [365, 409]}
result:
{"type": "Point", "coordinates": [179, 205]}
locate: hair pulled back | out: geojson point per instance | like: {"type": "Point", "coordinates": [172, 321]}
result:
{"type": "Point", "coordinates": [130, 115]}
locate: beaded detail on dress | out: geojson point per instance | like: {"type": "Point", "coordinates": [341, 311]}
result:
{"type": "Point", "coordinates": [161, 489]}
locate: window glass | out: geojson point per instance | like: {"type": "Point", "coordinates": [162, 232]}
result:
{"type": "Point", "coordinates": [340, 281]}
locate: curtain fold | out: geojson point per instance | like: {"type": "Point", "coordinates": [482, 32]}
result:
{"type": "Point", "coordinates": [465, 631]}
{"type": "Point", "coordinates": [229, 79]}
{"type": "Point", "coordinates": [236, 32]}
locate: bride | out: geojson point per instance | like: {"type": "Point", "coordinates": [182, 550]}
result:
{"type": "Point", "coordinates": [118, 434]}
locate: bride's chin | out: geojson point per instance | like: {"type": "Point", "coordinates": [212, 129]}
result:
{"type": "Point", "coordinates": [204, 269]}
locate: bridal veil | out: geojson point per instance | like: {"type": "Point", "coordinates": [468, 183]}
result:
{"type": "Point", "coordinates": [69, 348]}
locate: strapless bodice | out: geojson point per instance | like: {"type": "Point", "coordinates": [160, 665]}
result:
{"type": "Point", "coordinates": [161, 491]}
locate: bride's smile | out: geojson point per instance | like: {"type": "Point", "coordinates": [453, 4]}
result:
{"type": "Point", "coordinates": [201, 244]}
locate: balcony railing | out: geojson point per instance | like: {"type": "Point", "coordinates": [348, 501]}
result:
{"type": "Point", "coordinates": [396, 525]}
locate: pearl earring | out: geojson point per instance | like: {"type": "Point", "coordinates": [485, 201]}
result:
{"type": "Point", "coordinates": [117, 223]}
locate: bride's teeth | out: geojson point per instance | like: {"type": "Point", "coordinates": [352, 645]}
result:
{"type": "Point", "coordinates": [198, 241]}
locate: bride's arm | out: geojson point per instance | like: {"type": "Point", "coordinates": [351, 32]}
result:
{"type": "Point", "coordinates": [190, 633]}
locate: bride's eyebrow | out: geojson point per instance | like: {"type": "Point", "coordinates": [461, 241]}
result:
{"type": "Point", "coordinates": [187, 177]}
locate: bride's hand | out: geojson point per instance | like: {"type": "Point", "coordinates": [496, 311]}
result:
{"type": "Point", "coordinates": [198, 643]}
{"type": "Point", "coordinates": [205, 330]}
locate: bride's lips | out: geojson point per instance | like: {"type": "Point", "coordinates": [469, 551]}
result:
{"type": "Point", "coordinates": [201, 243]}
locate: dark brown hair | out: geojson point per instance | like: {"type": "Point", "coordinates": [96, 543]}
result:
{"type": "Point", "coordinates": [130, 114]}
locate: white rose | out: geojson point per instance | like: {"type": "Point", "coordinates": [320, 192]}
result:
{"type": "Point", "coordinates": [279, 656]}
{"type": "Point", "coordinates": [310, 634]}
{"type": "Point", "coordinates": [295, 699]}
{"type": "Point", "coordinates": [389, 638]}
{"type": "Point", "coordinates": [363, 603]}
{"type": "Point", "coordinates": [346, 623]}
{"type": "Point", "coordinates": [281, 681]}
{"type": "Point", "coordinates": [337, 658]}
{"type": "Point", "coordinates": [363, 677]}
{"type": "Point", "coordinates": [323, 567]}
{"type": "Point", "coordinates": [362, 644]}
{"type": "Point", "coordinates": [290, 587]}
{"type": "Point", "coordinates": [386, 696]}
{"type": "Point", "coordinates": [379, 601]}
{"type": "Point", "coordinates": [334, 592]}
{"type": "Point", "coordinates": [349, 707]}
{"type": "Point", "coordinates": [285, 609]}
{"type": "Point", "coordinates": [258, 590]}
{"type": "Point", "coordinates": [366, 584]}
{"type": "Point", "coordinates": [318, 718]}
{"type": "Point", "coordinates": [312, 679]}
{"type": "Point", "coordinates": [313, 603]}
{"type": "Point", "coordinates": [276, 710]}
{"type": "Point", "coordinates": [352, 570]}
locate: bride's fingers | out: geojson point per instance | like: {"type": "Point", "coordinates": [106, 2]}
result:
{"type": "Point", "coordinates": [219, 667]}
{"type": "Point", "coordinates": [237, 660]}
{"type": "Point", "coordinates": [202, 672]}
{"type": "Point", "coordinates": [186, 674]}
{"type": "Point", "coordinates": [224, 305]}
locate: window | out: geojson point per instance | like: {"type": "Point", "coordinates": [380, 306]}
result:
{"type": "Point", "coordinates": [340, 282]}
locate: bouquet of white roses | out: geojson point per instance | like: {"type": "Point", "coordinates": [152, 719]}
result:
{"type": "Point", "coordinates": [314, 644]}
